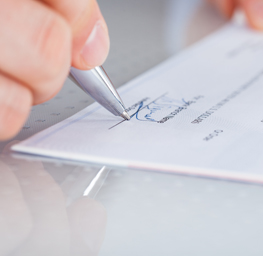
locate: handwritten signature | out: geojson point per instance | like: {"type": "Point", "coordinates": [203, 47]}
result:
{"type": "Point", "coordinates": [152, 112]}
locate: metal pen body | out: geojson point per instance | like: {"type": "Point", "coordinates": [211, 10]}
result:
{"type": "Point", "coordinates": [97, 84]}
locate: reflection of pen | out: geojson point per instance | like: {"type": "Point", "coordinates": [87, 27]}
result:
{"type": "Point", "coordinates": [97, 84]}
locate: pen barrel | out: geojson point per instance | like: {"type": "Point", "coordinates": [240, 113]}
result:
{"type": "Point", "coordinates": [97, 86]}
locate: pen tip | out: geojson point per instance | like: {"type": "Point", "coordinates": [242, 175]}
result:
{"type": "Point", "coordinates": [125, 115]}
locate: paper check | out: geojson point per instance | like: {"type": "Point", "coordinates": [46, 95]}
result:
{"type": "Point", "coordinates": [198, 113]}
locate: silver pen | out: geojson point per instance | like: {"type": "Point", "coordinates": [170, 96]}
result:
{"type": "Point", "coordinates": [97, 84]}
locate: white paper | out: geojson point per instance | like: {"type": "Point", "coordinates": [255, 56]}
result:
{"type": "Point", "coordinates": [201, 113]}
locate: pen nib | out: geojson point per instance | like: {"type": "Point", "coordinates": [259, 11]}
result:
{"type": "Point", "coordinates": [125, 115]}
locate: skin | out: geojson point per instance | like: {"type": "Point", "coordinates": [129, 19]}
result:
{"type": "Point", "coordinates": [41, 39]}
{"type": "Point", "coordinates": [39, 42]}
{"type": "Point", "coordinates": [252, 8]}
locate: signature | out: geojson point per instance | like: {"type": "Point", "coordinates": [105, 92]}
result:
{"type": "Point", "coordinates": [158, 108]}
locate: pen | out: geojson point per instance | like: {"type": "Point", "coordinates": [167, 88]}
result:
{"type": "Point", "coordinates": [98, 85]}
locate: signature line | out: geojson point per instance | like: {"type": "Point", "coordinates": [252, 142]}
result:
{"type": "Point", "coordinates": [138, 111]}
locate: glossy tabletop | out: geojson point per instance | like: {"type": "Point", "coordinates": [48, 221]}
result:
{"type": "Point", "coordinates": [52, 207]}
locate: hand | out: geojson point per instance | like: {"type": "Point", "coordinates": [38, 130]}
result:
{"type": "Point", "coordinates": [252, 8]}
{"type": "Point", "coordinates": [40, 40]}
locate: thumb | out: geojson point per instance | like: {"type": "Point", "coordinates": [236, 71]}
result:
{"type": "Point", "coordinates": [89, 30]}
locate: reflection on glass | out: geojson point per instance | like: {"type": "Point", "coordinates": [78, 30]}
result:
{"type": "Point", "coordinates": [34, 218]}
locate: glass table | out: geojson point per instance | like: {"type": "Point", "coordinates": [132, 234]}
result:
{"type": "Point", "coordinates": [53, 207]}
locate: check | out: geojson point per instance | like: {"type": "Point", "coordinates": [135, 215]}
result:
{"type": "Point", "coordinates": [199, 113]}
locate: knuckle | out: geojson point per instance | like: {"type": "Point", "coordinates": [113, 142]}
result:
{"type": "Point", "coordinates": [53, 41]}
{"type": "Point", "coordinates": [47, 91]}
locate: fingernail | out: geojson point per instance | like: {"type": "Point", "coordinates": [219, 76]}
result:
{"type": "Point", "coordinates": [96, 47]}
{"type": "Point", "coordinates": [255, 12]}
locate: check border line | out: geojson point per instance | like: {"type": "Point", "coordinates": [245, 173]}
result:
{"type": "Point", "coordinates": [139, 110]}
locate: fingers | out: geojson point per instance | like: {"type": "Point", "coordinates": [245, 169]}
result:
{"type": "Point", "coordinates": [226, 7]}
{"type": "Point", "coordinates": [37, 47]}
{"type": "Point", "coordinates": [15, 103]}
{"type": "Point", "coordinates": [252, 8]}
{"type": "Point", "coordinates": [254, 12]}
{"type": "Point", "coordinates": [90, 34]}
{"type": "Point", "coordinates": [34, 51]}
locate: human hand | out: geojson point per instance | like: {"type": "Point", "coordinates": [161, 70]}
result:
{"type": "Point", "coordinates": [252, 8]}
{"type": "Point", "coordinates": [40, 40]}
